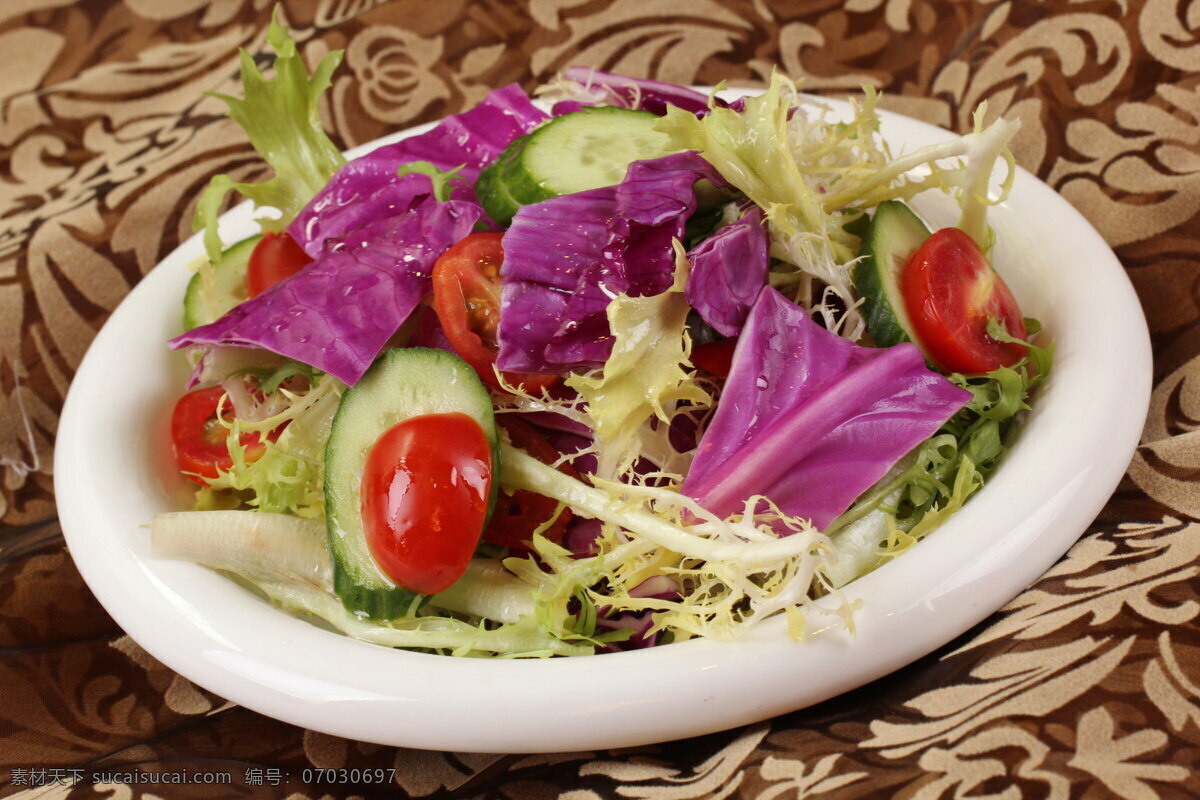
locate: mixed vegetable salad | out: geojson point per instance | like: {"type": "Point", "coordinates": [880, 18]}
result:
{"type": "Point", "coordinates": [626, 366]}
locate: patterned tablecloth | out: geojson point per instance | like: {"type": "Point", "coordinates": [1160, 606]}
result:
{"type": "Point", "coordinates": [1085, 686]}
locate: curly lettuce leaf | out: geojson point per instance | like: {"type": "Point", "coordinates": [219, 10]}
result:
{"type": "Point", "coordinates": [287, 477]}
{"type": "Point", "coordinates": [281, 118]}
{"type": "Point", "coordinates": [810, 176]}
{"type": "Point", "coordinates": [644, 376]}
{"type": "Point", "coordinates": [441, 181]}
{"type": "Point", "coordinates": [584, 86]}
{"type": "Point", "coordinates": [968, 175]}
{"type": "Point", "coordinates": [752, 150]}
{"type": "Point", "coordinates": [733, 572]}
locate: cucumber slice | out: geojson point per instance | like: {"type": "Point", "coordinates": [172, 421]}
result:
{"type": "Point", "coordinates": [582, 150]}
{"type": "Point", "coordinates": [216, 288]}
{"type": "Point", "coordinates": [402, 383]}
{"type": "Point", "coordinates": [894, 235]}
{"type": "Point", "coordinates": [491, 189]}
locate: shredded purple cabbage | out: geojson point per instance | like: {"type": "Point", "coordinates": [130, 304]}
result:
{"type": "Point", "coordinates": [338, 313]}
{"type": "Point", "coordinates": [811, 420]}
{"type": "Point", "coordinates": [605, 88]}
{"type": "Point", "coordinates": [729, 270]}
{"type": "Point", "coordinates": [658, 587]}
{"type": "Point", "coordinates": [581, 535]}
{"type": "Point", "coordinates": [566, 258]}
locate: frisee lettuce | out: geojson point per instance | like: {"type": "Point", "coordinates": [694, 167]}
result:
{"type": "Point", "coordinates": [288, 476]}
{"type": "Point", "coordinates": [929, 485]}
{"type": "Point", "coordinates": [752, 150]}
{"type": "Point", "coordinates": [735, 571]}
{"type": "Point", "coordinates": [280, 116]}
{"type": "Point", "coordinates": [644, 378]}
{"type": "Point", "coordinates": [812, 176]}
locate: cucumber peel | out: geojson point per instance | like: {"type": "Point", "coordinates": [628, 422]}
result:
{"type": "Point", "coordinates": [217, 288]}
{"type": "Point", "coordinates": [894, 235]}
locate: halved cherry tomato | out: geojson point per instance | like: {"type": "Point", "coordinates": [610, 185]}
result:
{"type": "Point", "coordinates": [466, 296]}
{"type": "Point", "coordinates": [275, 257]}
{"type": "Point", "coordinates": [715, 357]}
{"type": "Point", "coordinates": [517, 515]}
{"type": "Point", "coordinates": [198, 438]}
{"type": "Point", "coordinates": [951, 292]}
{"type": "Point", "coordinates": [425, 488]}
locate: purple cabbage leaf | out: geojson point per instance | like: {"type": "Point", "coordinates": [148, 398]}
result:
{"type": "Point", "coordinates": [729, 270]}
{"type": "Point", "coordinates": [811, 420]}
{"type": "Point", "coordinates": [471, 140]}
{"type": "Point", "coordinates": [360, 192]}
{"type": "Point", "coordinates": [565, 259]}
{"type": "Point", "coordinates": [339, 312]}
{"type": "Point", "coordinates": [368, 188]}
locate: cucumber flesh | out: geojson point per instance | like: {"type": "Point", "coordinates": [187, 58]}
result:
{"type": "Point", "coordinates": [402, 384]}
{"type": "Point", "coordinates": [216, 288]}
{"type": "Point", "coordinates": [894, 235]}
{"type": "Point", "coordinates": [572, 153]}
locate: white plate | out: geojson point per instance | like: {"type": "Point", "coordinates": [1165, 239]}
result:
{"type": "Point", "coordinates": [113, 472]}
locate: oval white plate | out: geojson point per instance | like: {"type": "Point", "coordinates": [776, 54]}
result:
{"type": "Point", "coordinates": [113, 472]}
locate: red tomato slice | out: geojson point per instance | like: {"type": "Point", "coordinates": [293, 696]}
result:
{"type": "Point", "coordinates": [517, 515]}
{"type": "Point", "coordinates": [951, 292]}
{"type": "Point", "coordinates": [275, 257]}
{"type": "Point", "coordinates": [198, 439]}
{"type": "Point", "coordinates": [466, 297]}
{"type": "Point", "coordinates": [425, 491]}
{"type": "Point", "coordinates": [715, 357]}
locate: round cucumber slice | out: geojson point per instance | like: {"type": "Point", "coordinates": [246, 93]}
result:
{"type": "Point", "coordinates": [575, 152]}
{"type": "Point", "coordinates": [216, 288]}
{"type": "Point", "coordinates": [401, 384]}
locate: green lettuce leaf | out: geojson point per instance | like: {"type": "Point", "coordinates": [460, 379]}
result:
{"type": "Point", "coordinates": [937, 478]}
{"type": "Point", "coordinates": [280, 116]}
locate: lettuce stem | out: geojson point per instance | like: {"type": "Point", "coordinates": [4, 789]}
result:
{"type": "Point", "coordinates": [521, 471]}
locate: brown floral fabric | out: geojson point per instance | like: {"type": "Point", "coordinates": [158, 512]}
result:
{"type": "Point", "coordinates": [1085, 686]}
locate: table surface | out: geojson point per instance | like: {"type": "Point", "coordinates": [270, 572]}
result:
{"type": "Point", "coordinates": [1085, 686]}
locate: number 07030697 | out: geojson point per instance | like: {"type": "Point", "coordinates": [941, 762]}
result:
{"type": "Point", "coordinates": [348, 776]}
